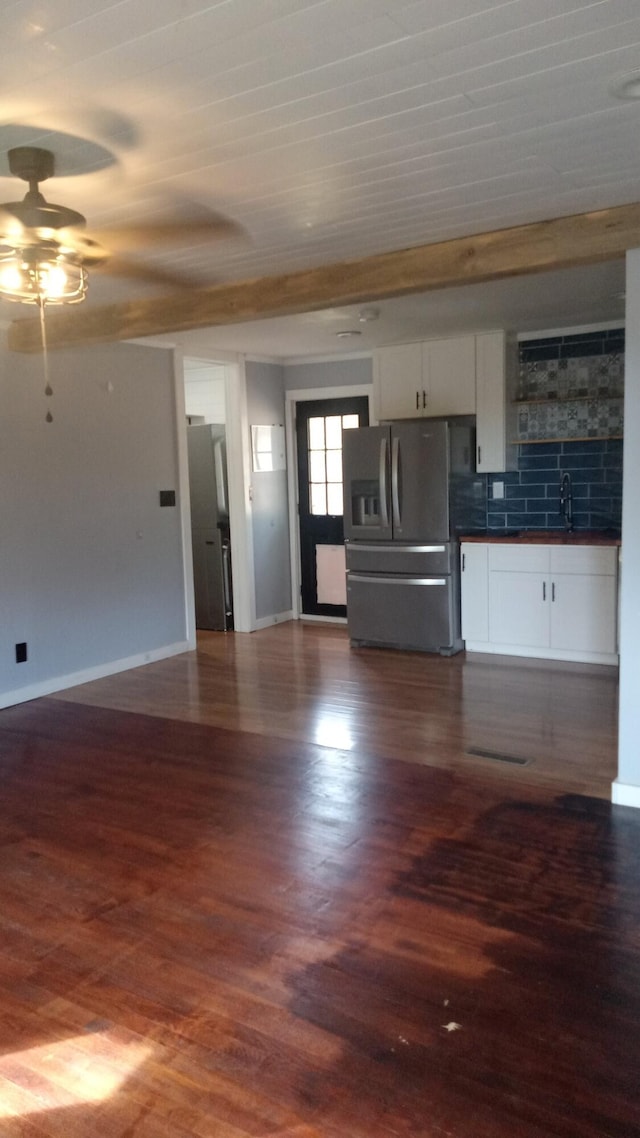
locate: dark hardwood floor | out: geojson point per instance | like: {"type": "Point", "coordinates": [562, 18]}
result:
{"type": "Point", "coordinates": [303, 681]}
{"type": "Point", "coordinates": [222, 930]}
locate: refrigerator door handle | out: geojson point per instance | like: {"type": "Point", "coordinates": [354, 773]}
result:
{"type": "Point", "coordinates": [396, 550]}
{"type": "Point", "coordinates": [395, 491]}
{"type": "Point", "coordinates": [382, 478]}
{"type": "Point", "coordinates": [370, 579]}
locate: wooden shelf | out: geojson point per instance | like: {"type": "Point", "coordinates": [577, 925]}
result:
{"type": "Point", "coordinates": [572, 439]}
{"type": "Point", "coordinates": [572, 399]}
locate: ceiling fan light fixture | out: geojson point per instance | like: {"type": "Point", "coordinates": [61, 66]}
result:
{"type": "Point", "coordinates": [38, 275]}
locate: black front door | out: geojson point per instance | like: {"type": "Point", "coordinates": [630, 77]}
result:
{"type": "Point", "coordinates": [319, 427]}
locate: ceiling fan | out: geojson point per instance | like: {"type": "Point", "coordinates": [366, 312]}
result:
{"type": "Point", "coordinates": [45, 250]}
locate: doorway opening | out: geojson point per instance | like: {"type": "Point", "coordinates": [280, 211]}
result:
{"type": "Point", "coordinates": [205, 407]}
{"type": "Point", "coordinates": [319, 427]}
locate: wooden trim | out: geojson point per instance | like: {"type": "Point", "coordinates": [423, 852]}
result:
{"type": "Point", "coordinates": [560, 243]}
{"type": "Point", "coordinates": [570, 439]}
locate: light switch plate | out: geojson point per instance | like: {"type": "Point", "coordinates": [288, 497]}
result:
{"type": "Point", "coordinates": [498, 489]}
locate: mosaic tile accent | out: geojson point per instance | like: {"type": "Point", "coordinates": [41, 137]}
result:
{"type": "Point", "coordinates": [575, 398]}
{"type": "Point", "coordinates": [587, 369]}
{"type": "Point", "coordinates": [583, 419]}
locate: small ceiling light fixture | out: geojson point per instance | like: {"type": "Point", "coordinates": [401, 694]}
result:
{"type": "Point", "coordinates": [42, 274]}
{"type": "Point", "coordinates": [627, 87]}
{"type": "Point", "coordinates": [367, 315]}
{"type": "Point", "coordinates": [38, 264]}
{"type": "Point", "coordinates": [347, 333]}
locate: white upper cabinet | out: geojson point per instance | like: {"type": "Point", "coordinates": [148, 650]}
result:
{"type": "Point", "coordinates": [460, 375]}
{"type": "Point", "coordinates": [449, 376]}
{"type": "Point", "coordinates": [428, 378]}
{"type": "Point", "coordinates": [397, 378]}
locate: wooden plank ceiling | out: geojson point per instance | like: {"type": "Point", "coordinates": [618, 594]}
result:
{"type": "Point", "coordinates": [331, 130]}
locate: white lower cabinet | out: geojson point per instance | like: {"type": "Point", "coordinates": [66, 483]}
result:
{"type": "Point", "coordinates": [551, 601]}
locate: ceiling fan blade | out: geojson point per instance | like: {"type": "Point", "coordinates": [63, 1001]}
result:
{"type": "Point", "coordinates": [139, 271]}
{"type": "Point", "coordinates": [150, 235]}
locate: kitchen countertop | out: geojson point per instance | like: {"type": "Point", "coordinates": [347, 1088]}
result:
{"type": "Point", "coordinates": [545, 537]}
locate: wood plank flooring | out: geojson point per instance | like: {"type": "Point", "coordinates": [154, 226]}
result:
{"type": "Point", "coordinates": [303, 682]}
{"type": "Point", "coordinates": [216, 924]}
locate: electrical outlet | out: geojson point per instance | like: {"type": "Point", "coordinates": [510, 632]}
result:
{"type": "Point", "coordinates": [498, 489]}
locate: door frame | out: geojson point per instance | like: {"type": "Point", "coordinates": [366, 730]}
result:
{"type": "Point", "coordinates": [238, 476]}
{"type": "Point", "coordinates": [292, 398]}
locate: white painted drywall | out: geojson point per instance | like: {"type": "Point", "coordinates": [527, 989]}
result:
{"type": "Point", "coordinates": [91, 568]}
{"type": "Point", "coordinates": [328, 373]}
{"type": "Point", "coordinates": [204, 385]}
{"type": "Point", "coordinates": [270, 519]}
{"type": "Point", "coordinates": [626, 789]}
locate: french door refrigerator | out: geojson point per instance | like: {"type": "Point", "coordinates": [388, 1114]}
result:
{"type": "Point", "coordinates": [408, 489]}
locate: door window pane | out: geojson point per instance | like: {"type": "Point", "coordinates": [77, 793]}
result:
{"type": "Point", "coordinates": [325, 462]}
{"type": "Point", "coordinates": [334, 466]}
{"type": "Point", "coordinates": [316, 434]}
{"type": "Point", "coordinates": [334, 498]}
{"type": "Point", "coordinates": [334, 431]}
{"type": "Point", "coordinates": [317, 472]}
{"type": "Point", "coordinates": [318, 495]}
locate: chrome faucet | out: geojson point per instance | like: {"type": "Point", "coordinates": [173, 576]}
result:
{"type": "Point", "coordinates": [566, 500]}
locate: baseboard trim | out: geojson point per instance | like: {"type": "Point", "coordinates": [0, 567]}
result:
{"type": "Point", "coordinates": [311, 616]}
{"type": "Point", "coordinates": [625, 794]}
{"type": "Point", "coordinates": [72, 679]}
{"type": "Point", "coordinates": [277, 618]}
{"type": "Point", "coordinates": [608, 659]}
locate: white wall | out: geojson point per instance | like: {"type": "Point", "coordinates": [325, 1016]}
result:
{"type": "Point", "coordinates": [329, 373]}
{"type": "Point", "coordinates": [270, 520]}
{"type": "Point", "coordinates": [204, 390]}
{"type": "Point", "coordinates": [91, 568]}
{"type": "Point", "coordinates": [626, 789]}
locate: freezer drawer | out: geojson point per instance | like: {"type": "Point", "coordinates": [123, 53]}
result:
{"type": "Point", "coordinates": [424, 559]}
{"type": "Point", "coordinates": [418, 613]}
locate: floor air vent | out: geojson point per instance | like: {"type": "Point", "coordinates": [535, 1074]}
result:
{"type": "Point", "coordinates": [497, 757]}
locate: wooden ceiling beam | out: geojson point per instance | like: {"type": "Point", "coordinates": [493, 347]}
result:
{"type": "Point", "coordinates": [541, 246]}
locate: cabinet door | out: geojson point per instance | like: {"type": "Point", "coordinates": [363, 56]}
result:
{"type": "Point", "coordinates": [449, 372]}
{"type": "Point", "coordinates": [519, 609]}
{"type": "Point", "coordinates": [583, 612]}
{"type": "Point", "coordinates": [494, 413]}
{"type": "Point", "coordinates": [398, 381]}
{"type": "Point", "coordinates": [474, 591]}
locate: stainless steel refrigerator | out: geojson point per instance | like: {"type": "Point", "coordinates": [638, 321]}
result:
{"type": "Point", "coordinates": [409, 488]}
{"type": "Point", "coordinates": [210, 526]}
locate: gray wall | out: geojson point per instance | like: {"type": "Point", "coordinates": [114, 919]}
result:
{"type": "Point", "coordinates": [270, 519]}
{"type": "Point", "coordinates": [90, 565]}
{"type": "Point", "coordinates": [329, 373]}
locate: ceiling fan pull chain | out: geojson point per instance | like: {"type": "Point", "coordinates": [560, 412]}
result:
{"type": "Point", "coordinates": [48, 390]}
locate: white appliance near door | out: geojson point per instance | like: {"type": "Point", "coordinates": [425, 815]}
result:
{"type": "Point", "coordinates": [210, 526]}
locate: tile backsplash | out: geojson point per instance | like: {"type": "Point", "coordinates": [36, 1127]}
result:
{"type": "Point", "coordinates": [578, 380]}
